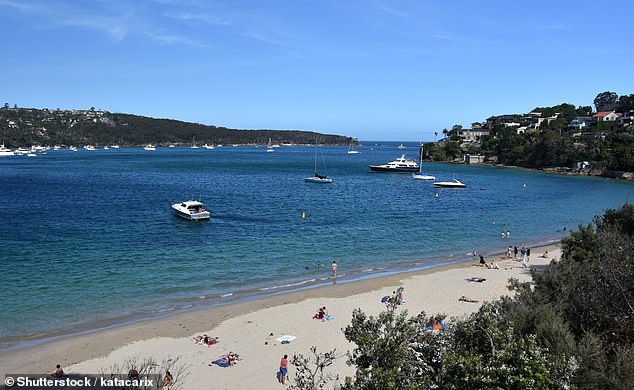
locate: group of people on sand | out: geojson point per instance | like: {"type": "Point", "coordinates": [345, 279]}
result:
{"type": "Point", "coordinates": [491, 265]}
{"type": "Point", "coordinates": [204, 339]}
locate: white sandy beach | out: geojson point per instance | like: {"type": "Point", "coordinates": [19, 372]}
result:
{"type": "Point", "coordinates": [246, 328]}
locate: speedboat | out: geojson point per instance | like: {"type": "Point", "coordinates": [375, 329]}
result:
{"type": "Point", "coordinates": [401, 146]}
{"type": "Point", "coordinates": [455, 183]}
{"type": "Point", "coordinates": [192, 210]}
{"type": "Point", "coordinates": [149, 147]}
{"type": "Point", "coordinates": [400, 165]}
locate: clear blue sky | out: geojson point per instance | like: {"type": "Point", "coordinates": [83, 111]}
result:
{"type": "Point", "coordinates": [377, 70]}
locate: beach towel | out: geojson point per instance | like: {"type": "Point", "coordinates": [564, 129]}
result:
{"type": "Point", "coordinates": [222, 362]}
{"type": "Point", "coordinates": [286, 339]}
{"type": "Point", "coordinates": [435, 325]}
{"type": "Point", "coordinates": [385, 299]}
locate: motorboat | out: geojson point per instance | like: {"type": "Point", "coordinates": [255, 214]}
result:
{"type": "Point", "coordinates": [400, 165]}
{"type": "Point", "coordinates": [6, 151]}
{"type": "Point", "coordinates": [401, 146]}
{"type": "Point", "coordinates": [149, 147]}
{"type": "Point", "coordinates": [192, 210]}
{"type": "Point", "coordinates": [89, 147]}
{"type": "Point", "coordinates": [455, 183]}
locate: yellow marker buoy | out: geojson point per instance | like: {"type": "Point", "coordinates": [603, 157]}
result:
{"type": "Point", "coordinates": [436, 195]}
{"type": "Point", "coordinates": [303, 215]}
{"type": "Point", "coordinates": [524, 185]}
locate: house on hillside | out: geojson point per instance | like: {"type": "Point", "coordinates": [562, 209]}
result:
{"type": "Point", "coordinates": [580, 122]}
{"type": "Point", "coordinates": [468, 135]}
{"type": "Point", "coordinates": [606, 116]}
{"type": "Point", "coordinates": [626, 120]}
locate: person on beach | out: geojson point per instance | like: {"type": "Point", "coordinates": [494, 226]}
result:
{"type": "Point", "coordinates": [283, 369]}
{"type": "Point", "coordinates": [232, 357]}
{"type": "Point", "coordinates": [59, 373]}
{"type": "Point", "coordinates": [509, 251]}
{"type": "Point", "coordinates": [482, 262]}
{"type": "Point", "coordinates": [528, 254]}
{"type": "Point", "coordinates": [320, 314]}
{"type": "Point", "coordinates": [334, 269]}
{"type": "Point", "coordinates": [515, 251]}
{"type": "Point", "coordinates": [545, 255]}
{"type": "Point", "coordinates": [167, 380]}
{"type": "Point", "coordinates": [523, 253]}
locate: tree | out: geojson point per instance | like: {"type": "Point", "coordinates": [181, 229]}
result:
{"type": "Point", "coordinates": [606, 101]}
{"type": "Point", "coordinates": [625, 103]}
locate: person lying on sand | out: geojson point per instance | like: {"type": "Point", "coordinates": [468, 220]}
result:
{"type": "Point", "coordinates": [232, 358]}
{"type": "Point", "coordinates": [467, 299]}
{"type": "Point", "coordinates": [545, 255]}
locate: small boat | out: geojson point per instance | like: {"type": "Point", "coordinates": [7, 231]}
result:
{"type": "Point", "coordinates": [194, 146]}
{"type": "Point", "coordinates": [6, 151]}
{"type": "Point", "coordinates": [72, 148]}
{"type": "Point", "coordinates": [455, 183]}
{"type": "Point", "coordinates": [317, 178]}
{"type": "Point", "coordinates": [192, 210]}
{"type": "Point", "coordinates": [351, 149]}
{"type": "Point", "coordinates": [420, 175]}
{"type": "Point", "coordinates": [401, 146]}
{"type": "Point", "coordinates": [149, 147]}
{"type": "Point", "coordinates": [206, 146]}
{"type": "Point", "coordinates": [89, 147]}
{"type": "Point", "coordinates": [269, 147]}
{"type": "Point", "coordinates": [400, 165]}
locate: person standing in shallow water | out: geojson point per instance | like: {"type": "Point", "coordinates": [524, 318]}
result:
{"type": "Point", "coordinates": [334, 269]}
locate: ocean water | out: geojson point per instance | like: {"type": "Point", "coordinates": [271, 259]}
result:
{"type": "Point", "coordinates": [88, 239]}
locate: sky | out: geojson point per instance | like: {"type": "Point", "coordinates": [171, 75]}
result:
{"type": "Point", "coordinates": [394, 70]}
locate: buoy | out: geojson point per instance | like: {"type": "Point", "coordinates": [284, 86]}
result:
{"type": "Point", "coordinates": [303, 215]}
{"type": "Point", "coordinates": [524, 185]}
{"type": "Point", "coordinates": [436, 195]}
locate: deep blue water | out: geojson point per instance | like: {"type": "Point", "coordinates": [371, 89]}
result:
{"type": "Point", "coordinates": [88, 238]}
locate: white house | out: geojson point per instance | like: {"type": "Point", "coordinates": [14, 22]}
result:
{"type": "Point", "coordinates": [605, 116]}
{"type": "Point", "coordinates": [472, 134]}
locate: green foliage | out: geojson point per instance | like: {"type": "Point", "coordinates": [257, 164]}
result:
{"type": "Point", "coordinates": [573, 329]}
{"type": "Point", "coordinates": [311, 372]}
{"type": "Point", "coordinates": [44, 127]}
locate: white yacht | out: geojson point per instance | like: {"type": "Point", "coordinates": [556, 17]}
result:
{"type": "Point", "coordinates": [149, 147]}
{"type": "Point", "coordinates": [400, 165]}
{"type": "Point", "coordinates": [89, 147]}
{"type": "Point", "coordinates": [401, 146]}
{"type": "Point", "coordinates": [455, 183]}
{"type": "Point", "coordinates": [192, 210]}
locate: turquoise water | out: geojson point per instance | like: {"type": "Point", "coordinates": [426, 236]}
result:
{"type": "Point", "coordinates": [88, 238]}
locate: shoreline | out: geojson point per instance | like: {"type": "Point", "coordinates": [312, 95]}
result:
{"type": "Point", "coordinates": [73, 349]}
{"type": "Point", "coordinates": [213, 302]}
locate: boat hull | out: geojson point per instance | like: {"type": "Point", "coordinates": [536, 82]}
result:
{"type": "Point", "coordinates": [380, 168]}
{"type": "Point", "coordinates": [423, 177]}
{"type": "Point", "coordinates": [449, 185]}
{"type": "Point", "coordinates": [318, 180]}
